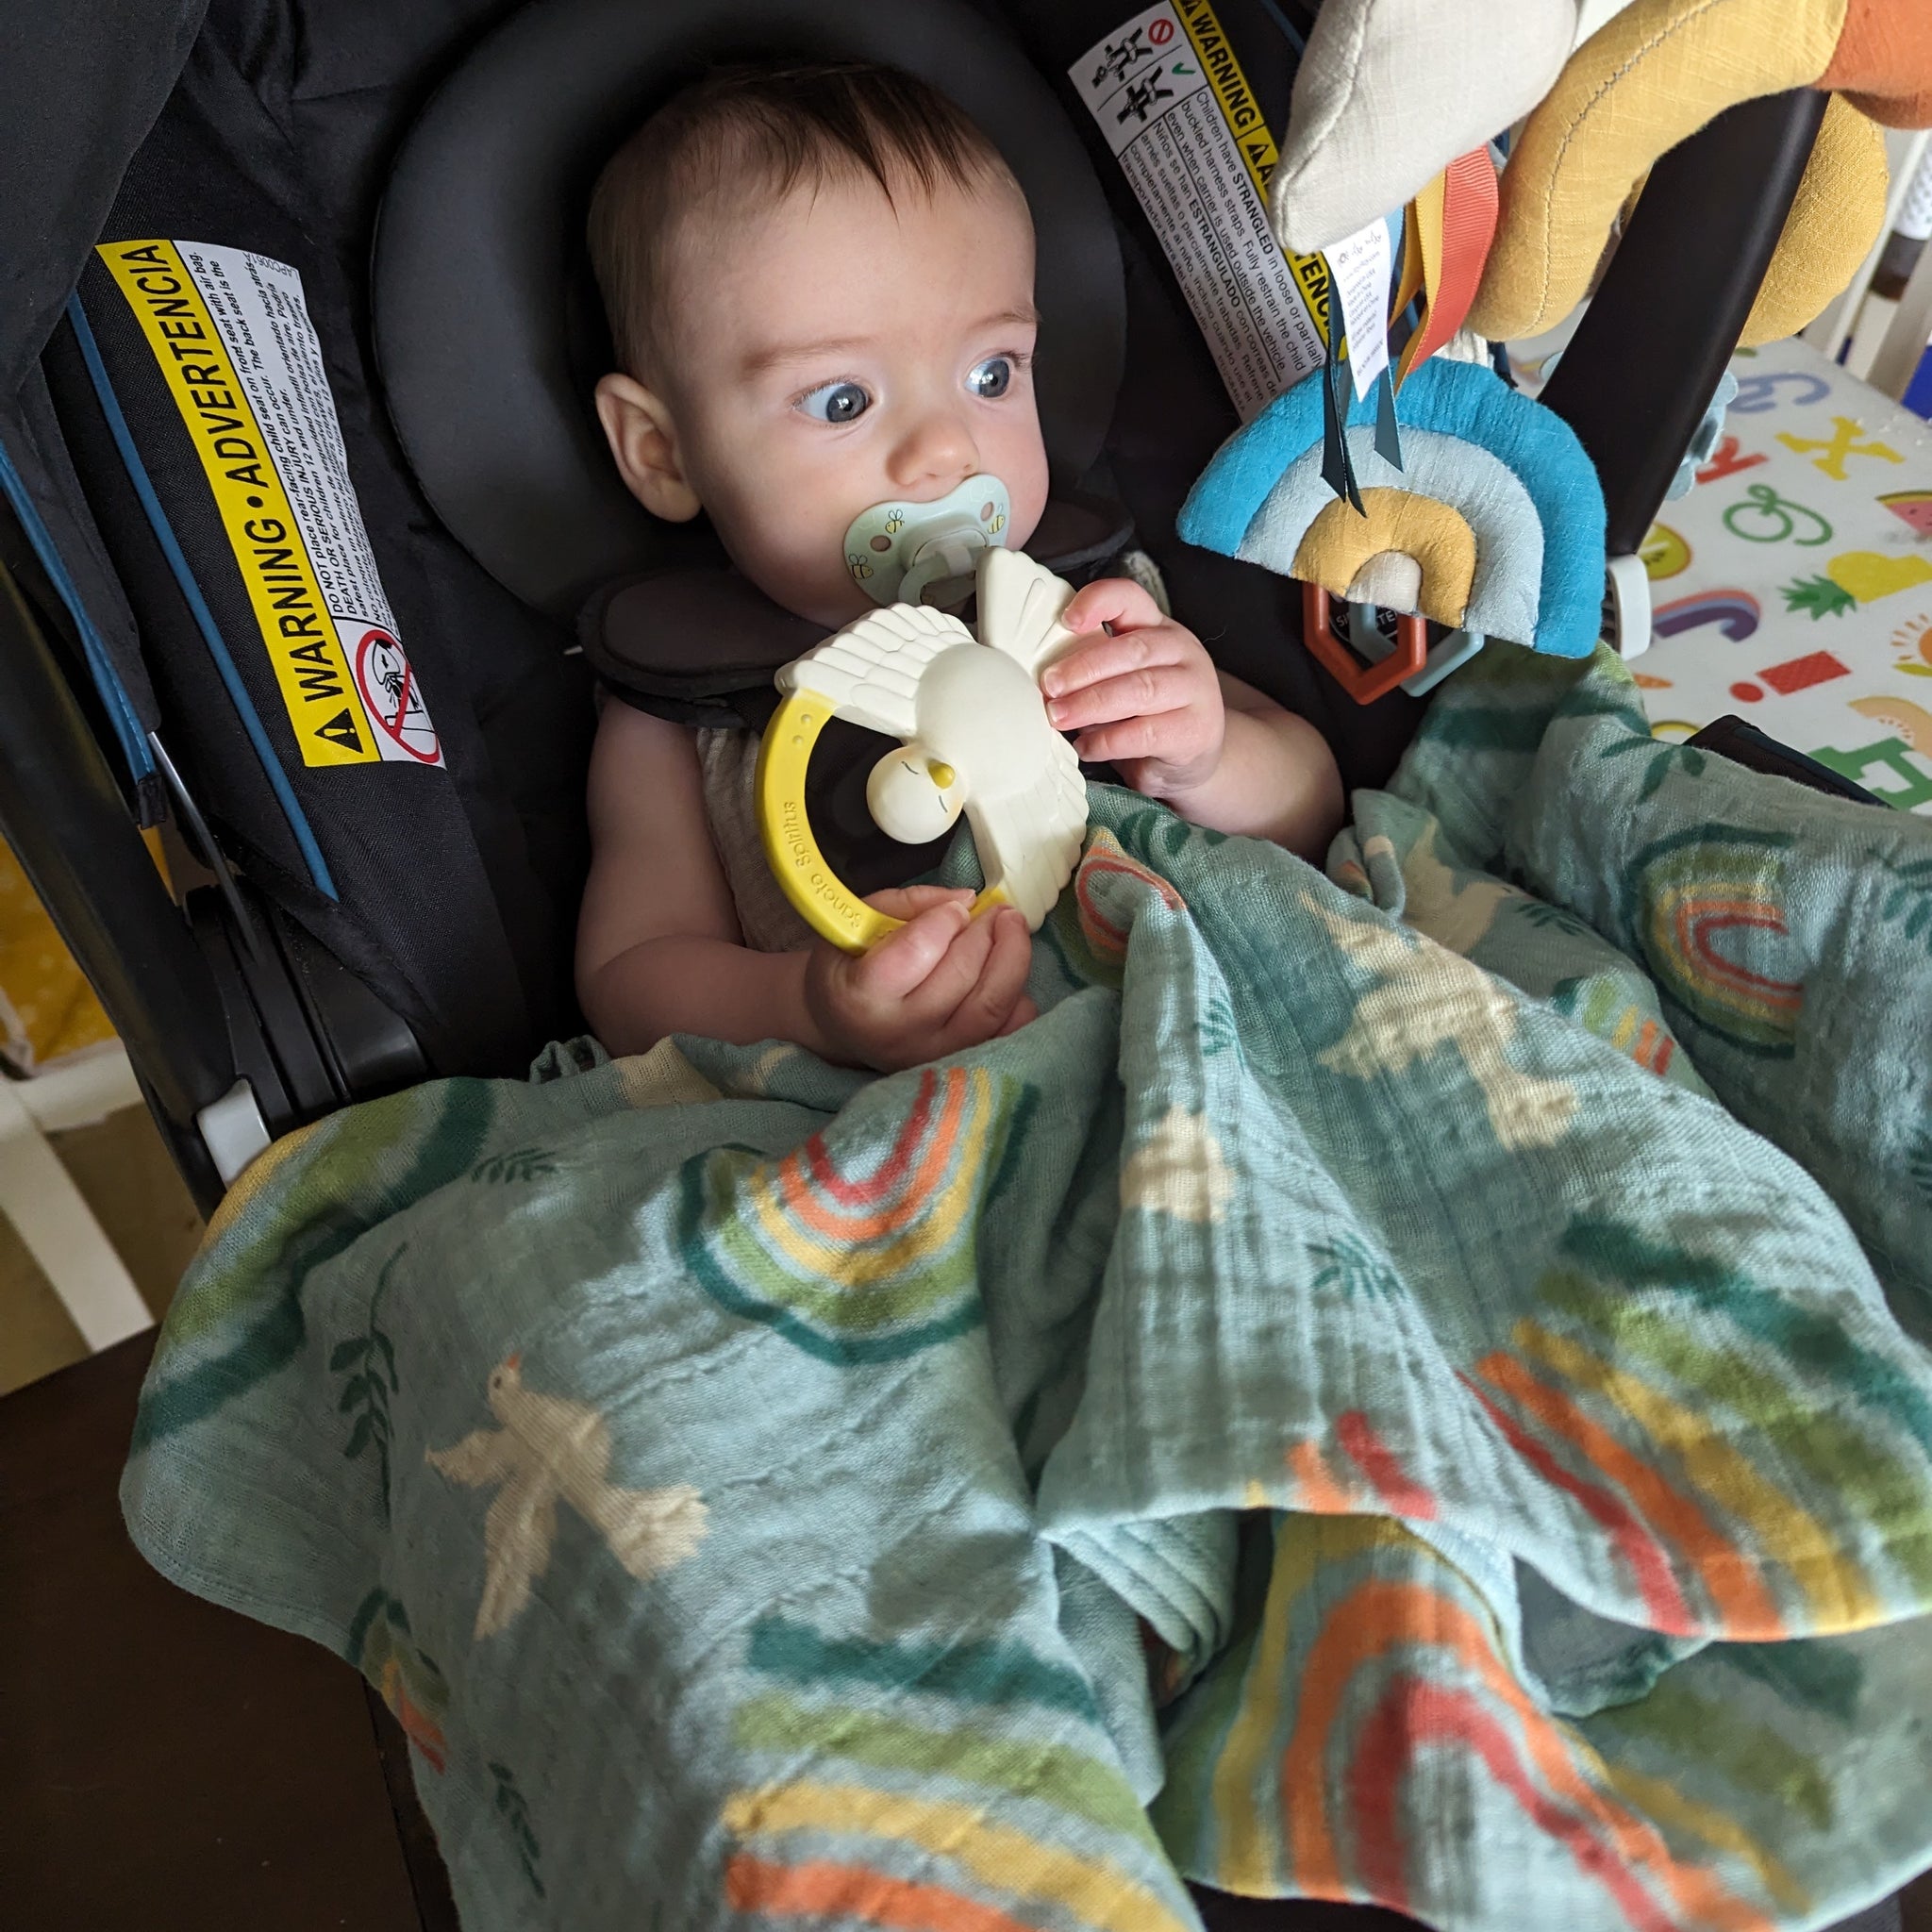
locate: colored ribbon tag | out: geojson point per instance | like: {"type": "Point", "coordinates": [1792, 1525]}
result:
{"type": "Point", "coordinates": [1338, 468]}
{"type": "Point", "coordinates": [1409, 285]}
{"type": "Point", "coordinates": [1454, 221]}
{"type": "Point", "coordinates": [1388, 437]}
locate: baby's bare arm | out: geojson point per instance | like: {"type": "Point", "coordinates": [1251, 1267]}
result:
{"type": "Point", "coordinates": [1276, 779]}
{"type": "Point", "coordinates": [659, 949]}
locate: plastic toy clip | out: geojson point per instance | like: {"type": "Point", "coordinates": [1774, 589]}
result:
{"type": "Point", "coordinates": [1364, 683]}
{"type": "Point", "coordinates": [1368, 663]}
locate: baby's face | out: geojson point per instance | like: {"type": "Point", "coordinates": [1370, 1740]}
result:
{"type": "Point", "coordinates": [839, 349]}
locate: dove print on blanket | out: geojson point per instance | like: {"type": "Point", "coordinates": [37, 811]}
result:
{"type": "Point", "coordinates": [551, 1450]}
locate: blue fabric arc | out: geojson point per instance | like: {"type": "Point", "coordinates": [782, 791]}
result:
{"type": "Point", "coordinates": [204, 618]}
{"type": "Point", "coordinates": [1457, 399]}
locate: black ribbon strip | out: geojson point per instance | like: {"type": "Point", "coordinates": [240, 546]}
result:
{"type": "Point", "coordinates": [1338, 467]}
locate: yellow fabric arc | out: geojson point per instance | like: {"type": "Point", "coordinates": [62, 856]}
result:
{"type": "Point", "coordinates": [1100, 1894]}
{"type": "Point", "coordinates": [1339, 542]}
{"type": "Point", "coordinates": [1640, 85]}
{"type": "Point", "coordinates": [1830, 229]}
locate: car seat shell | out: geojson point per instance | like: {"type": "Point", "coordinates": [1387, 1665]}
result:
{"type": "Point", "coordinates": [488, 332]}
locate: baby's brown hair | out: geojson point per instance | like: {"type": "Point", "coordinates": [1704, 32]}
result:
{"type": "Point", "coordinates": [757, 131]}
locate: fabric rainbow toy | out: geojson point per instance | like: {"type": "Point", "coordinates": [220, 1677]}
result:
{"type": "Point", "coordinates": [1495, 523]}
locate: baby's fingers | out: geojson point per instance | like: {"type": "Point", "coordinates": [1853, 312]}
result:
{"type": "Point", "coordinates": [1118, 601]}
{"type": "Point", "coordinates": [938, 996]}
{"type": "Point", "coordinates": [903, 961]}
{"type": "Point", "coordinates": [908, 902]}
{"type": "Point", "coordinates": [1024, 1012]}
{"type": "Point", "coordinates": [1000, 986]}
{"type": "Point", "coordinates": [1143, 693]}
{"type": "Point", "coordinates": [1170, 737]}
{"type": "Point", "coordinates": [1102, 657]}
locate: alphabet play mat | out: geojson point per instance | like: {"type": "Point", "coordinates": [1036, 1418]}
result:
{"type": "Point", "coordinates": [1794, 584]}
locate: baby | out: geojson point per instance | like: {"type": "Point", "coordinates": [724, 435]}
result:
{"type": "Point", "coordinates": [820, 284]}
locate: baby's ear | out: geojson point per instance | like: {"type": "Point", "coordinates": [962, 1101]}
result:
{"type": "Point", "coordinates": [644, 443]}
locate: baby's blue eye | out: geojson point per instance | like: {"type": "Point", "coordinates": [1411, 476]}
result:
{"type": "Point", "coordinates": [836, 401]}
{"type": "Point", "coordinates": [991, 378]}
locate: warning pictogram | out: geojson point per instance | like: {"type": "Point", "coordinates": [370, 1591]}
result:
{"type": "Point", "coordinates": [340, 730]}
{"type": "Point", "coordinates": [390, 695]}
{"type": "Point", "coordinates": [1161, 32]}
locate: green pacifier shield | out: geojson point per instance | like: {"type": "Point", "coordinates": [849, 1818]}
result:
{"type": "Point", "coordinates": [897, 548]}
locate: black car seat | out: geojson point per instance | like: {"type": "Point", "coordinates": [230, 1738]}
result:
{"type": "Point", "coordinates": [433, 934]}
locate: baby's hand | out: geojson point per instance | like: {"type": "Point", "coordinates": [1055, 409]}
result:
{"type": "Point", "coordinates": [1146, 698]}
{"type": "Point", "coordinates": [937, 986]}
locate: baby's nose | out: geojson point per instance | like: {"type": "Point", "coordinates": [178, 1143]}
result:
{"type": "Point", "coordinates": [937, 449]}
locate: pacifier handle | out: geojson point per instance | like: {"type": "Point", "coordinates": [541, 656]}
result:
{"type": "Point", "coordinates": [941, 561]}
{"type": "Point", "coordinates": [824, 900]}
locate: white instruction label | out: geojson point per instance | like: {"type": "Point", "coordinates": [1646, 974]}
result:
{"type": "Point", "coordinates": [242, 364]}
{"type": "Point", "coordinates": [1177, 112]}
{"type": "Point", "coordinates": [1360, 265]}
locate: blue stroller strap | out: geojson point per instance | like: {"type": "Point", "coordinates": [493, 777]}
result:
{"type": "Point", "coordinates": [204, 618]}
{"type": "Point", "coordinates": [120, 707]}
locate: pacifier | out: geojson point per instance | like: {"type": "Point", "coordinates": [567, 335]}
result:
{"type": "Point", "coordinates": [897, 549]}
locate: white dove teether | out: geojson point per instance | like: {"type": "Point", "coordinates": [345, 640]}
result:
{"type": "Point", "coordinates": [975, 734]}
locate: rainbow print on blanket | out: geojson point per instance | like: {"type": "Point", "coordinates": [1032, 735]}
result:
{"type": "Point", "coordinates": [1407, 1384]}
{"type": "Point", "coordinates": [864, 1269]}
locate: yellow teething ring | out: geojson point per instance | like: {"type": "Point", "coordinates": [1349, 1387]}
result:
{"type": "Point", "coordinates": [824, 900]}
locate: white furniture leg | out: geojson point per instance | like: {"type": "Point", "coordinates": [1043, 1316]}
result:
{"type": "Point", "coordinates": [1904, 150]}
{"type": "Point", "coordinates": [52, 1217]}
{"type": "Point", "coordinates": [1897, 360]}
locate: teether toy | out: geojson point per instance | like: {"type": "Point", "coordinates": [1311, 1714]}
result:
{"type": "Point", "coordinates": [975, 737]}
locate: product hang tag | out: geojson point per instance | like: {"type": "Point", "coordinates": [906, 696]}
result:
{"type": "Point", "coordinates": [1358, 268]}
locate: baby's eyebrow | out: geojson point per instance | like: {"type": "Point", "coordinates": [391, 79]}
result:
{"type": "Point", "coordinates": [822, 349]}
{"type": "Point", "coordinates": [775, 354]}
{"type": "Point", "coordinates": [1027, 317]}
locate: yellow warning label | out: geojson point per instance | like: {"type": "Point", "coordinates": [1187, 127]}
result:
{"type": "Point", "coordinates": [1249, 127]}
{"type": "Point", "coordinates": [1231, 85]}
{"type": "Point", "coordinates": [312, 668]}
{"type": "Point", "coordinates": [1312, 276]}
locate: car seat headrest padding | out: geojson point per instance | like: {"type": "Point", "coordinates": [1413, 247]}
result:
{"type": "Point", "coordinates": [699, 643]}
{"type": "Point", "coordinates": [484, 309]}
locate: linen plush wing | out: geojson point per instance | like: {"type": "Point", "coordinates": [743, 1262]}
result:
{"type": "Point", "coordinates": [869, 671]}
